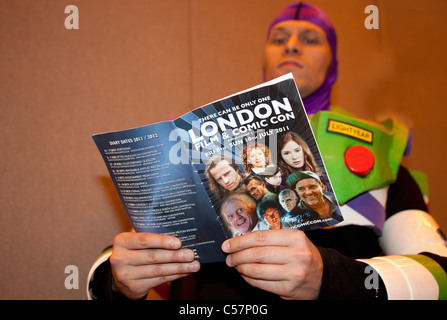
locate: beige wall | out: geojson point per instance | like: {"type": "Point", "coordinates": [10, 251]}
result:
{"type": "Point", "coordinates": [136, 62]}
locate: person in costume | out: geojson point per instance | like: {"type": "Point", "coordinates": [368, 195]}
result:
{"type": "Point", "coordinates": [386, 224]}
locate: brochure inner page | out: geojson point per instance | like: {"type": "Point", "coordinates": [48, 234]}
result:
{"type": "Point", "coordinates": [160, 194]}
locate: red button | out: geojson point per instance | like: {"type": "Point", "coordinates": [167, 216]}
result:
{"type": "Point", "coordinates": [359, 160]}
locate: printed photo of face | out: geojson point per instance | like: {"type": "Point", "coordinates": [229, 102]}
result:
{"type": "Point", "coordinates": [239, 216]}
{"type": "Point", "coordinates": [310, 191]}
{"type": "Point", "coordinates": [293, 155]}
{"type": "Point", "coordinates": [257, 158]}
{"type": "Point", "coordinates": [256, 189]}
{"type": "Point", "coordinates": [274, 180]}
{"type": "Point", "coordinates": [288, 200]}
{"type": "Point", "coordinates": [271, 216]}
{"type": "Point", "coordinates": [226, 176]}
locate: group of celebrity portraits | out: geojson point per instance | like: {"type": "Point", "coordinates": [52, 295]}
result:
{"type": "Point", "coordinates": [266, 195]}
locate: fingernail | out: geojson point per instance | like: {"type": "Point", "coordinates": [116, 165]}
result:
{"type": "Point", "coordinates": [194, 266]}
{"type": "Point", "coordinates": [228, 261]}
{"type": "Point", "coordinates": [189, 255]}
{"type": "Point", "coordinates": [225, 246]}
{"type": "Point", "coordinates": [175, 244]}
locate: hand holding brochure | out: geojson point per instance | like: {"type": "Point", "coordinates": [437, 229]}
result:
{"type": "Point", "coordinates": [243, 163]}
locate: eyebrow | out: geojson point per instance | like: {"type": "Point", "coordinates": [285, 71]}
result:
{"type": "Point", "coordinates": [287, 31]}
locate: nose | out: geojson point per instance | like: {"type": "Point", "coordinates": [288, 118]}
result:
{"type": "Point", "coordinates": [292, 45]}
{"type": "Point", "coordinates": [308, 191]}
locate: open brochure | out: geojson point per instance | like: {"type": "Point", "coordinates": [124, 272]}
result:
{"type": "Point", "coordinates": [243, 163]}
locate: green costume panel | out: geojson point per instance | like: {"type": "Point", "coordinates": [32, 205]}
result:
{"type": "Point", "coordinates": [359, 155]}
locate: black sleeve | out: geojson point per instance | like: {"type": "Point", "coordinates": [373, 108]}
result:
{"type": "Point", "coordinates": [442, 261]}
{"type": "Point", "coordinates": [404, 194]}
{"type": "Point", "coordinates": [100, 286]}
{"type": "Point", "coordinates": [345, 278]}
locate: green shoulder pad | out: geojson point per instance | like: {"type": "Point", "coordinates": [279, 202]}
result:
{"type": "Point", "coordinates": [336, 132]}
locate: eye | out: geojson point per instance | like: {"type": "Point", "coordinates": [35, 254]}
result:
{"type": "Point", "coordinates": [310, 37]}
{"type": "Point", "coordinates": [309, 40]}
{"type": "Point", "coordinates": [280, 40]}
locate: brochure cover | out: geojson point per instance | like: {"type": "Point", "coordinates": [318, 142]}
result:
{"type": "Point", "coordinates": [243, 163]}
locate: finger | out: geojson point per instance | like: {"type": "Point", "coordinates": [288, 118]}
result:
{"type": "Point", "coordinates": [137, 289]}
{"type": "Point", "coordinates": [262, 238]}
{"type": "Point", "coordinates": [270, 255]}
{"type": "Point", "coordinates": [298, 288]}
{"type": "Point", "coordinates": [275, 287]}
{"type": "Point", "coordinates": [150, 256]}
{"type": "Point", "coordinates": [144, 240]}
{"type": "Point", "coordinates": [160, 271]}
{"type": "Point", "coordinates": [267, 272]}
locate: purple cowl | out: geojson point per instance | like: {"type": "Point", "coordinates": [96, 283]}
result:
{"type": "Point", "coordinates": [320, 99]}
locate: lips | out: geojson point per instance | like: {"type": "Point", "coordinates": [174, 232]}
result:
{"type": "Point", "coordinates": [311, 198]}
{"type": "Point", "coordinates": [241, 222]}
{"type": "Point", "coordinates": [290, 63]}
{"type": "Point", "coordinates": [256, 195]}
{"type": "Point", "coordinates": [297, 163]}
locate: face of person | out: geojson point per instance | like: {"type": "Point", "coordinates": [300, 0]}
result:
{"type": "Point", "coordinates": [257, 190]}
{"type": "Point", "coordinates": [226, 176]}
{"type": "Point", "coordinates": [239, 216]}
{"type": "Point", "coordinates": [274, 180]}
{"type": "Point", "coordinates": [292, 154]}
{"type": "Point", "coordinates": [288, 201]}
{"type": "Point", "coordinates": [310, 191]}
{"type": "Point", "coordinates": [257, 158]}
{"type": "Point", "coordinates": [271, 216]}
{"type": "Point", "coordinates": [300, 47]}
